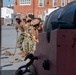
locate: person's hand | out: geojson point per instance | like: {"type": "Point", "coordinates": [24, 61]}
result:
{"type": "Point", "coordinates": [38, 28]}
{"type": "Point", "coordinates": [28, 34]}
{"type": "Point", "coordinates": [37, 41]}
{"type": "Point", "coordinates": [25, 32]}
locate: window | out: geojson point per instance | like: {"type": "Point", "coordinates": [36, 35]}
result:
{"type": "Point", "coordinates": [41, 3]}
{"type": "Point", "coordinates": [62, 3]}
{"type": "Point", "coordinates": [67, 1]}
{"type": "Point", "coordinates": [25, 2]}
{"type": "Point", "coordinates": [55, 3]}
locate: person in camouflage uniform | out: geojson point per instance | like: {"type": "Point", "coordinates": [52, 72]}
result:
{"type": "Point", "coordinates": [28, 43]}
{"type": "Point", "coordinates": [20, 40]}
{"type": "Point", "coordinates": [41, 27]}
{"type": "Point", "coordinates": [35, 23]}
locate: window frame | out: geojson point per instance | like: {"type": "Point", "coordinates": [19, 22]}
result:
{"type": "Point", "coordinates": [53, 3]}
{"type": "Point", "coordinates": [62, 2]}
{"type": "Point", "coordinates": [67, 1]}
{"type": "Point", "coordinates": [25, 4]}
{"type": "Point", "coordinates": [39, 1]}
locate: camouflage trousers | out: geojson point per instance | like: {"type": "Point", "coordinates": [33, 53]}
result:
{"type": "Point", "coordinates": [29, 45]}
{"type": "Point", "coordinates": [20, 41]}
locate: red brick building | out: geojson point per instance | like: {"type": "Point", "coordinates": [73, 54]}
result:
{"type": "Point", "coordinates": [37, 7]}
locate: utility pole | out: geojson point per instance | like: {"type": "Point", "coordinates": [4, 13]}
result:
{"type": "Point", "coordinates": [1, 2]}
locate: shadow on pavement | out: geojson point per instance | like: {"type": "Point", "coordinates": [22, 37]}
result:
{"type": "Point", "coordinates": [3, 57]}
{"type": "Point", "coordinates": [5, 65]}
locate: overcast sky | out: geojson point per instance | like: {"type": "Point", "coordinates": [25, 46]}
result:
{"type": "Point", "coordinates": [7, 2]}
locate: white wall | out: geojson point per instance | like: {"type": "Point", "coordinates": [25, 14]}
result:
{"type": "Point", "coordinates": [6, 12]}
{"type": "Point", "coordinates": [51, 10]}
{"type": "Point", "coordinates": [46, 13]}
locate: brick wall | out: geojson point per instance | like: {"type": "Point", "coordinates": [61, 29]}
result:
{"type": "Point", "coordinates": [33, 8]}
{"type": "Point", "coordinates": [22, 8]}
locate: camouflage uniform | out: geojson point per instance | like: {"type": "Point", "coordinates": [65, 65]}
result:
{"type": "Point", "coordinates": [34, 23]}
{"type": "Point", "coordinates": [20, 41]}
{"type": "Point", "coordinates": [26, 40]}
{"type": "Point", "coordinates": [28, 43]}
{"type": "Point", "coordinates": [21, 37]}
{"type": "Point", "coordinates": [35, 33]}
{"type": "Point", "coordinates": [30, 40]}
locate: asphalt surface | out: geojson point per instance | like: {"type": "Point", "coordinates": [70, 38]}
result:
{"type": "Point", "coordinates": [8, 43]}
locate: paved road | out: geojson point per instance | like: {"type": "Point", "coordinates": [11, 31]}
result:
{"type": "Point", "coordinates": [9, 41]}
{"type": "Point", "coordinates": [8, 36]}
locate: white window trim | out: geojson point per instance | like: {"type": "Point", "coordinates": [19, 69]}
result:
{"type": "Point", "coordinates": [40, 6]}
{"type": "Point", "coordinates": [61, 3]}
{"type": "Point", "coordinates": [30, 13]}
{"type": "Point", "coordinates": [25, 4]}
{"type": "Point", "coordinates": [53, 4]}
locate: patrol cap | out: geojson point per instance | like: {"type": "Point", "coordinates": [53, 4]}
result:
{"type": "Point", "coordinates": [28, 19]}
{"type": "Point", "coordinates": [17, 17]}
{"type": "Point", "coordinates": [35, 22]}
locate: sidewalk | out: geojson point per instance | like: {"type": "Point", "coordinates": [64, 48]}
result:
{"type": "Point", "coordinates": [8, 64]}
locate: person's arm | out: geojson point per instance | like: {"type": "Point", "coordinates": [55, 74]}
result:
{"type": "Point", "coordinates": [35, 39]}
{"type": "Point", "coordinates": [21, 27]}
{"type": "Point", "coordinates": [35, 36]}
{"type": "Point", "coordinates": [16, 28]}
{"type": "Point", "coordinates": [26, 31]}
